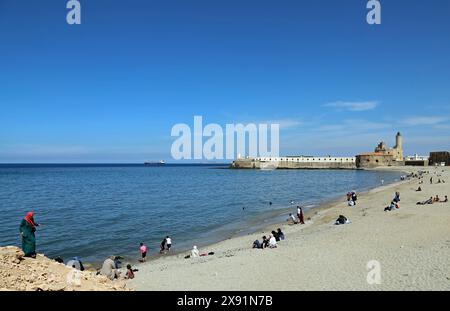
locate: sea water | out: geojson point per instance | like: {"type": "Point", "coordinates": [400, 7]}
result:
{"type": "Point", "coordinates": [94, 211]}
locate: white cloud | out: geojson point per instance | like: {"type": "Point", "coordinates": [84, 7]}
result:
{"type": "Point", "coordinates": [353, 106]}
{"type": "Point", "coordinates": [414, 121]}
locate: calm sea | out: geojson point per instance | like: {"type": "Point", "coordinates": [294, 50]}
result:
{"type": "Point", "coordinates": [94, 211]}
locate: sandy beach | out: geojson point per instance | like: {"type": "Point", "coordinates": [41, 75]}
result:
{"type": "Point", "coordinates": [411, 245]}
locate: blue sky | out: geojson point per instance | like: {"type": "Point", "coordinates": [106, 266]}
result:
{"type": "Point", "coordinates": [110, 89]}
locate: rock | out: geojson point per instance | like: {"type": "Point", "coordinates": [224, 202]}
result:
{"type": "Point", "coordinates": [42, 274]}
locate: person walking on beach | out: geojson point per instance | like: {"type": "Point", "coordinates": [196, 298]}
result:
{"type": "Point", "coordinates": [27, 229]}
{"type": "Point", "coordinates": [168, 243]}
{"type": "Point", "coordinates": [301, 217]}
{"type": "Point", "coordinates": [143, 251]}
{"type": "Point", "coordinates": [431, 180]}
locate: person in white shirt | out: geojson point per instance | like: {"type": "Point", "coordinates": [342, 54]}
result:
{"type": "Point", "coordinates": [168, 242]}
{"type": "Point", "coordinates": [272, 242]}
{"type": "Point", "coordinates": [292, 217]}
{"type": "Point", "coordinates": [194, 252]}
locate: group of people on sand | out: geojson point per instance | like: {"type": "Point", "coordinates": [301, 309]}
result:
{"type": "Point", "coordinates": [165, 246]}
{"type": "Point", "coordinates": [270, 241]}
{"type": "Point", "coordinates": [440, 181]}
{"type": "Point", "coordinates": [432, 200]}
{"type": "Point", "coordinates": [111, 268]}
{"type": "Point", "coordinates": [300, 217]}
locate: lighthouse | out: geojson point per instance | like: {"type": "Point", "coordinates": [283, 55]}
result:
{"type": "Point", "coordinates": [398, 149]}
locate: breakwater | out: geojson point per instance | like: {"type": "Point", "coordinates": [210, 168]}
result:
{"type": "Point", "coordinates": [296, 163]}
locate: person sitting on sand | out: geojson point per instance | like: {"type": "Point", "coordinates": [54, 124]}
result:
{"type": "Point", "coordinates": [292, 218]}
{"type": "Point", "coordinates": [257, 244]}
{"type": "Point", "coordinates": [396, 197]}
{"type": "Point", "coordinates": [419, 189]}
{"type": "Point", "coordinates": [75, 263]}
{"type": "Point", "coordinates": [445, 200]}
{"type": "Point", "coordinates": [194, 252]}
{"type": "Point", "coordinates": [280, 234]}
{"type": "Point", "coordinates": [436, 199]}
{"type": "Point", "coordinates": [272, 242]}
{"type": "Point", "coordinates": [429, 201]}
{"type": "Point", "coordinates": [392, 206]}
{"type": "Point", "coordinates": [342, 220]}
{"type": "Point", "coordinates": [130, 273]}
{"type": "Point", "coordinates": [265, 242]}
{"type": "Point", "coordinates": [109, 268]}
{"type": "Point", "coordinates": [275, 235]}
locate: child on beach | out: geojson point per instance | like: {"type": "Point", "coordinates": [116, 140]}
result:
{"type": "Point", "coordinates": [130, 273]}
{"type": "Point", "coordinates": [143, 251]}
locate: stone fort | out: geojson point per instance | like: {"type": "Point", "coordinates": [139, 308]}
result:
{"type": "Point", "coordinates": [382, 156]}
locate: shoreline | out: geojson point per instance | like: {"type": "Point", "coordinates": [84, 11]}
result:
{"type": "Point", "coordinates": [281, 212]}
{"type": "Point", "coordinates": [315, 219]}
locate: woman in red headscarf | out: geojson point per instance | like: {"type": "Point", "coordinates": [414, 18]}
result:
{"type": "Point", "coordinates": [27, 230]}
